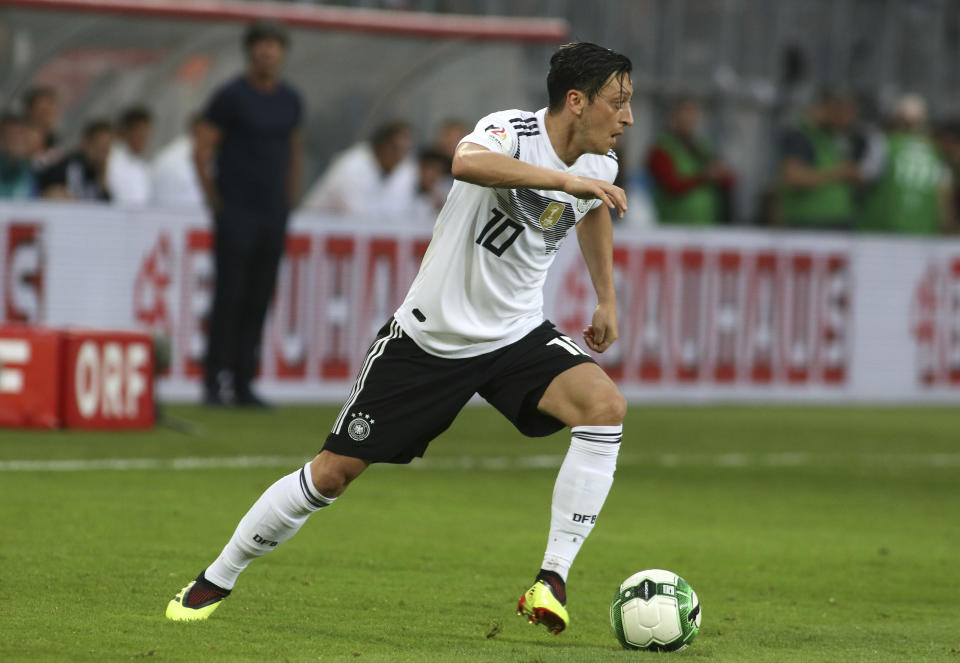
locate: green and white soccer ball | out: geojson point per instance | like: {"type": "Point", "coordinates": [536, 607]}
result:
{"type": "Point", "coordinates": [655, 609]}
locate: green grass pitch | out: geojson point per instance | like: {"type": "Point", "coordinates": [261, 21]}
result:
{"type": "Point", "coordinates": [810, 534]}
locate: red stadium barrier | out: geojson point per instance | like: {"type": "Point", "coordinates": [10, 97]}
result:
{"type": "Point", "coordinates": [409, 24]}
{"type": "Point", "coordinates": [85, 379]}
{"type": "Point", "coordinates": [29, 377]}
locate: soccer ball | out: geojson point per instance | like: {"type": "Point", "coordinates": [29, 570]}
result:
{"type": "Point", "coordinates": [655, 609]}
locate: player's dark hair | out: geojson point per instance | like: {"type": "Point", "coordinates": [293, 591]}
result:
{"type": "Point", "coordinates": [134, 115]}
{"type": "Point", "coordinates": [582, 66]}
{"type": "Point", "coordinates": [388, 131]}
{"type": "Point", "coordinates": [94, 127]}
{"type": "Point", "coordinates": [265, 31]}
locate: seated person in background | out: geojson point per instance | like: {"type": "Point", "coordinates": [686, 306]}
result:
{"type": "Point", "coordinates": [41, 109]}
{"type": "Point", "coordinates": [374, 178]}
{"type": "Point", "coordinates": [82, 174]}
{"type": "Point", "coordinates": [128, 173]}
{"type": "Point", "coordinates": [914, 191]}
{"type": "Point", "coordinates": [687, 177]}
{"type": "Point", "coordinates": [16, 172]}
{"type": "Point", "coordinates": [433, 170]}
{"type": "Point", "coordinates": [173, 174]}
{"type": "Point", "coordinates": [448, 136]}
{"type": "Point", "coordinates": [817, 173]}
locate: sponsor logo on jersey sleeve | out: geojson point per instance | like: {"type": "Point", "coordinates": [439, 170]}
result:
{"type": "Point", "coordinates": [497, 131]}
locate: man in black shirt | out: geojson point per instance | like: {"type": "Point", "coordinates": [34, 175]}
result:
{"type": "Point", "coordinates": [248, 155]}
{"type": "Point", "coordinates": [81, 175]}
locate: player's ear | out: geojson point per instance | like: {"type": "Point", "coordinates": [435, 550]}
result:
{"type": "Point", "coordinates": [576, 101]}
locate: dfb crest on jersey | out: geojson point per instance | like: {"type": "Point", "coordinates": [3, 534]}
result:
{"type": "Point", "coordinates": [551, 215]}
{"type": "Point", "coordinates": [359, 427]}
{"type": "Point", "coordinates": [583, 206]}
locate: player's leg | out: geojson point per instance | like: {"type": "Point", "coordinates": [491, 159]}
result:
{"type": "Point", "coordinates": [401, 400]}
{"type": "Point", "coordinates": [274, 518]}
{"type": "Point", "coordinates": [586, 400]}
{"type": "Point", "coordinates": [547, 383]}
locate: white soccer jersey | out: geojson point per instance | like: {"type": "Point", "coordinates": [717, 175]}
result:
{"type": "Point", "coordinates": [480, 286]}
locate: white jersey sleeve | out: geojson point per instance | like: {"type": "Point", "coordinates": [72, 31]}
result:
{"type": "Point", "coordinates": [480, 285]}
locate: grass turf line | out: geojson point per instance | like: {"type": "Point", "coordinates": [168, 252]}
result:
{"type": "Point", "coordinates": [832, 561]}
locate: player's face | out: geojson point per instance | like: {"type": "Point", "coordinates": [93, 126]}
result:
{"type": "Point", "coordinates": [609, 113]}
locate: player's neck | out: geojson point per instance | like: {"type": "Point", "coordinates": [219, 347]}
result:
{"type": "Point", "coordinates": [563, 137]}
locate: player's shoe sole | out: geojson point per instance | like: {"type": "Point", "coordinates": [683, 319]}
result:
{"type": "Point", "coordinates": [540, 606]}
{"type": "Point", "coordinates": [180, 610]}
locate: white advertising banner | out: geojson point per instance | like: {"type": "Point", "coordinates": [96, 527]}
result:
{"type": "Point", "coordinates": [705, 316]}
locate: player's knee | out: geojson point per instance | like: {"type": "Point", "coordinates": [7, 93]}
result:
{"type": "Point", "coordinates": [608, 409]}
{"type": "Point", "coordinates": [332, 473]}
{"type": "Point", "coordinates": [329, 482]}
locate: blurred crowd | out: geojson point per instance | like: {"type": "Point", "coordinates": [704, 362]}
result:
{"type": "Point", "coordinates": [112, 163]}
{"type": "Point", "coordinates": [834, 170]}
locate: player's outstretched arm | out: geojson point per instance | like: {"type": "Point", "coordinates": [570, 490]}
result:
{"type": "Point", "coordinates": [595, 234]}
{"type": "Point", "coordinates": [478, 165]}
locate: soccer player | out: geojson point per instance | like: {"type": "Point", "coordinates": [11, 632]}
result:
{"type": "Point", "coordinates": [472, 322]}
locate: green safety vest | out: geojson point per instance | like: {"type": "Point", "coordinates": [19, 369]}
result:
{"type": "Point", "coordinates": [830, 203]}
{"type": "Point", "coordinates": [697, 206]}
{"type": "Point", "coordinates": [906, 198]}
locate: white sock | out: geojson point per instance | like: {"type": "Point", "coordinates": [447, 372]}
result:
{"type": "Point", "coordinates": [582, 485]}
{"type": "Point", "coordinates": [275, 517]}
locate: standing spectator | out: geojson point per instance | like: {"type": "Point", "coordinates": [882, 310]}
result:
{"type": "Point", "coordinates": [173, 176]}
{"type": "Point", "coordinates": [251, 132]}
{"type": "Point", "coordinates": [16, 172]}
{"type": "Point", "coordinates": [128, 173]}
{"type": "Point", "coordinates": [688, 179]}
{"type": "Point", "coordinates": [914, 191]}
{"type": "Point", "coordinates": [372, 178]}
{"type": "Point", "coordinates": [41, 107]}
{"type": "Point", "coordinates": [947, 139]}
{"type": "Point", "coordinates": [817, 175]}
{"type": "Point", "coordinates": [82, 174]}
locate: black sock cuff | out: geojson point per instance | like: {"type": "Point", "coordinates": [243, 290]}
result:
{"type": "Point", "coordinates": [202, 580]}
{"type": "Point", "coordinates": [556, 584]}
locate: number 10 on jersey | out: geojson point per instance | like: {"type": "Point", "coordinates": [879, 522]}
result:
{"type": "Point", "coordinates": [499, 224]}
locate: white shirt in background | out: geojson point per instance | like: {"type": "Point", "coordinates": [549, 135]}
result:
{"type": "Point", "coordinates": [354, 185]}
{"type": "Point", "coordinates": [128, 176]}
{"type": "Point", "coordinates": [173, 176]}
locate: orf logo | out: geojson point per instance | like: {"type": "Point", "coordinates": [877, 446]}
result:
{"type": "Point", "coordinates": [108, 378]}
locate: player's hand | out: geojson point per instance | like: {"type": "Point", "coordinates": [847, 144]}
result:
{"type": "Point", "coordinates": [589, 189]}
{"type": "Point", "coordinates": [603, 332]}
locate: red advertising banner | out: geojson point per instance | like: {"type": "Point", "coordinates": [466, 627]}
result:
{"type": "Point", "coordinates": [107, 380]}
{"type": "Point", "coordinates": [728, 314]}
{"type": "Point", "coordinates": [29, 377]}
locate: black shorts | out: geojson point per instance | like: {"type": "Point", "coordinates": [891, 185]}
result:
{"type": "Point", "coordinates": [404, 397]}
